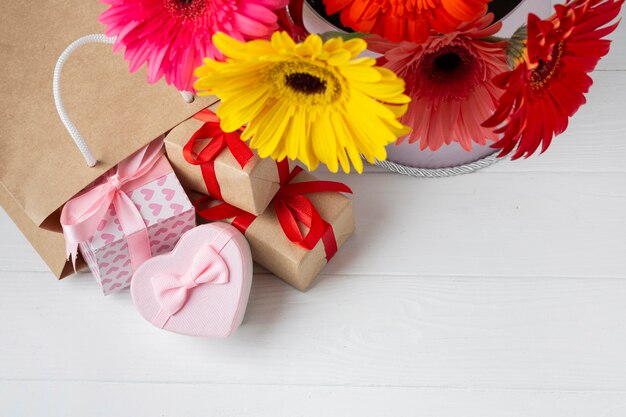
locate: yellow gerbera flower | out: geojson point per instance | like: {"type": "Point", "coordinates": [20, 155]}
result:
{"type": "Point", "coordinates": [312, 101]}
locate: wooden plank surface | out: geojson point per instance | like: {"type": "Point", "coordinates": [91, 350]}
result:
{"type": "Point", "coordinates": [498, 294]}
{"type": "Point", "coordinates": [487, 333]}
{"type": "Point", "coordinates": [195, 400]}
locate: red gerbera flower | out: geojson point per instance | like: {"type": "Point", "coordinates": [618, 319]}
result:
{"type": "Point", "coordinates": [549, 84]}
{"type": "Point", "coordinates": [406, 20]}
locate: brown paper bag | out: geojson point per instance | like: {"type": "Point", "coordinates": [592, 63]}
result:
{"type": "Point", "coordinates": [117, 113]}
{"type": "Point", "coordinates": [50, 245]}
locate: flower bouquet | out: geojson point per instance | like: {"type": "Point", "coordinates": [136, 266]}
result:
{"type": "Point", "coordinates": [400, 78]}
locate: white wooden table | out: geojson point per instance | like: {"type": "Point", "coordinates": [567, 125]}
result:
{"type": "Point", "coordinates": [502, 293]}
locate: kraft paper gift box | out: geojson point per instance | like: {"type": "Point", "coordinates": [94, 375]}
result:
{"type": "Point", "coordinates": [220, 164]}
{"type": "Point", "coordinates": [135, 211]}
{"type": "Point", "coordinates": [307, 222]}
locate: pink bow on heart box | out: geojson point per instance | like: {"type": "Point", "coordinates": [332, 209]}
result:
{"type": "Point", "coordinates": [199, 289]}
{"type": "Point", "coordinates": [133, 212]}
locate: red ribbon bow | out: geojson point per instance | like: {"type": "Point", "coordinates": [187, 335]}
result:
{"type": "Point", "coordinates": [292, 208]}
{"type": "Point", "coordinates": [220, 140]}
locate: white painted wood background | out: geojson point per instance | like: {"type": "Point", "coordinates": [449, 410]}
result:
{"type": "Point", "coordinates": [502, 293]}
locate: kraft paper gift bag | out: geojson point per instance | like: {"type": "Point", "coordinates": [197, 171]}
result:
{"type": "Point", "coordinates": [115, 111]}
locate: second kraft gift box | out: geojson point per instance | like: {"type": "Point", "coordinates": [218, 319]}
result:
{"type": "Point", "coordinates": [211, 161]}
{"type": "Point", "coordinates": [302, 229]}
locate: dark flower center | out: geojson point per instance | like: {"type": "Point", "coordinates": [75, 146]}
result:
{"type": "Point", "coordinates": [547, 70]}
{"type": "Point", "coordinates": [185, 10]}
{"type": "Point", "coordinates": [447, 62]}
{"type": "Point", "coordinates": [447, 74]}
{"type": "Point", "coordinates": [305, 83]}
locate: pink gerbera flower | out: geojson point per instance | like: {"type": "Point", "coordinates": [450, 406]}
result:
{"type": "Point", "coordinates": [449, 79]}
{"type": "Point", "coordinates": [173, 36]}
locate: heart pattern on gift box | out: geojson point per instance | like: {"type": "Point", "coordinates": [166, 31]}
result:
{"type": "Point", "coordinates": [107, 238]}
{"type": "Point", "coordinates": [168, 193]}
{"type": "Point", "coordinates": [113, 261]}
{"type": "Point", "coordinates": [160, 231]}
{"type": "Point", "coordinates": [147, 193]}
{"type": "Point", "coordinates": [118, 258]}
{"type": "Point", "coordinates": [164, 248]}
{"type": "Point", "coordinates": [101, 225]}
{"type": "Point", "coordinates": [153, 205]}
{"type": "Point", "coordinates": [199, 289]}
{"type": "Point", "coordinates": [170, 236]}
{"type": "Point", "coordinates": [156, 208]}
{"type": "Point", "coordinates": [177, 208]}
{"type": "Point", "coordinates": [168, 214]}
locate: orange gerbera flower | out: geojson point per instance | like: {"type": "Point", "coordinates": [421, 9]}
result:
{"type": "Point", "coordinates": [549, 84]}
{"type": "Point", "coordinates": [406, 20]}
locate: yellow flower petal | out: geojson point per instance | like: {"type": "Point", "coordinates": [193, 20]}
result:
{"type": "Point", "coordinates": [325, 148]}
{"type": "Point", "coordinates": [296, 134]}
{"type": "Point", "coordinates": [235, 114]}
{"type": "Point", "coordinates": [338, 58]}
{"type": "Point", "coordinates": [355, 46]}
{"type": "Point", "coordinates": [281, 40]}
{"type": "Point", "coordinates": [230, 47]}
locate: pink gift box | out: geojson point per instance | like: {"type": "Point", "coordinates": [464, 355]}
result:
{"type": "Point", "coordinates": [202, 287]}
{"type": "Point", "coordinates": [168, 214]}
{"type": "Point", "coordinates": [157, 197]}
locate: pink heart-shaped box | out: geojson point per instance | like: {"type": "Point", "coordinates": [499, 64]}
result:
{"type": "Point", "coordinates": [201, 288]}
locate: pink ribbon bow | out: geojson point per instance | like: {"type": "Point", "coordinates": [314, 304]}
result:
{"type": "Point", "coordinates": [172, 289]}
{"type": "Point", "coordinates": [82, 214]}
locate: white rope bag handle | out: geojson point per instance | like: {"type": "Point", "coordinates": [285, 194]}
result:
{"type": "Point", "coordinates": [56, 90]}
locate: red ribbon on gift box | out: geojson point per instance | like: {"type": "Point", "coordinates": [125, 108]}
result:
{"type": "Point", "coordinates": [219, 140]}
{"type": "Point", "coordinates": [292, 208]}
